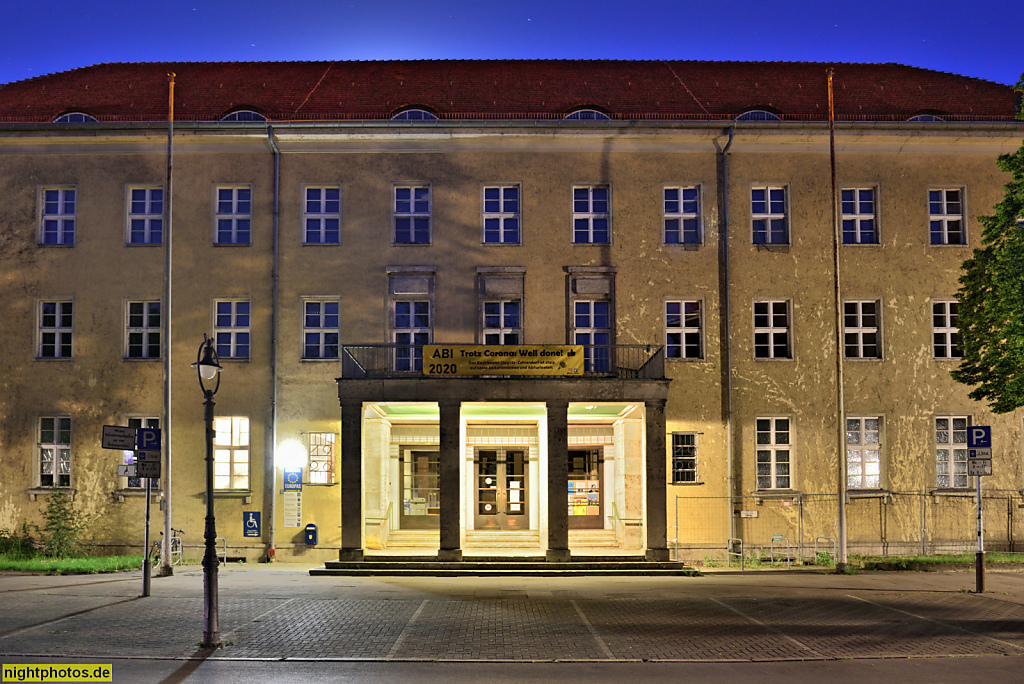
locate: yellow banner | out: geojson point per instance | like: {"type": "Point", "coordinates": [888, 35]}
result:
{"type": "Point", "coordinates": [62, 672]}
{"type": "Point", "coordinates": [460, 360]}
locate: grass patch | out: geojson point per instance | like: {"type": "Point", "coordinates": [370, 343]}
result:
{"type": "Point", "coordinates": [938, 560]}
{"type": "Point", "coordinates": [87, 565]}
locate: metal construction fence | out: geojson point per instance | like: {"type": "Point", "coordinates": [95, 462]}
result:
{"type": "Point", "coordinates": [796, 527]}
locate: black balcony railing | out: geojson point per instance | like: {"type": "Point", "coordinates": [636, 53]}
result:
{"type": "Point", "coordinates": [626, 361]}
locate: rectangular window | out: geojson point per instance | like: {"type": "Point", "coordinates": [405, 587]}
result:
{"type": "Point", "coordinates": [55, 329]}
{"type": "Point", "coordinates": [946, 340]}
{"type": "Point", "coordinates": [233, 216]}
{"type": "Point", "coordinates": [54, 449]}
{"type": "Point", "coordinates": [773, 453]}
{"type": "Point", "coordinates": [771, 330]}
{"type": "Point", "coordinates": [57, 216]}
{"type": "Point", "coordinates": [231, 453]}
{"type": "Point", "coordinates": [684, 327]}
{"type": "Point", "coordinates": [859, 216]}
{"type": "Point", "coordinates": [129, 456]}
{"type": "Point", "coordinates": [145, 216]}
{"type": "Point", "coordinates": [946, 217]}
{"type": "Point", "coordinates": [951, 451]}
{"type": "Point", "coordinates": [863, 453]}
{"type": "Point", "coordinates": [682, 215]}
{"type": "Point", "coordinates": [591, 215]}
{"type": "Point", "coordinates": [321, 457]}
{"type": "Point", "coordinates": [411, 329]}
{"type": "Point", "coordinates": [501, 214]}
{"type": "Point", "coordinates": [143, 330]}
{"type": "Point", "coordinates": [592, 327]}
{"type": "Point", "coordinates": [684, 457]}
{"type": "Point", "coordinates": [768, 213]}
{"type": "Point", "coordinates": [321, 328]}
{"type": "Point", "coordinates": [502, 322]}
{"type": "Point", "coordinates": [231, 328]}
{"type": "Point", "coordinates": [860, 330]}
{"type": "Point", "coordinates": [412, 214]}
{"type": "Point", "coordinates": [322, 215]}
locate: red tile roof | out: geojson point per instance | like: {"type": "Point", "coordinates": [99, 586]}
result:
{"type": "Point", "coordinates": [503, 89]}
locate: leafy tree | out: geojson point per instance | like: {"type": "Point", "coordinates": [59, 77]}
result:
{"type": "Point", "coordinates": [63, 526]}
{"type": "Point", "coordinates": [991, 296]}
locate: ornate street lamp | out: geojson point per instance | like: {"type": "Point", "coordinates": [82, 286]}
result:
{"type": "Point", "coordinates": [208, 367]}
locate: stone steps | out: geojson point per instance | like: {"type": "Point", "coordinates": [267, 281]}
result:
{"type": "Point", "coordinates": [397, 566]}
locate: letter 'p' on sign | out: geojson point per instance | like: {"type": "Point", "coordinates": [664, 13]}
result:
{"type": "Point", "coordinates": [979, 436]}
{"type": "Point", "coordinates": [147, 439]}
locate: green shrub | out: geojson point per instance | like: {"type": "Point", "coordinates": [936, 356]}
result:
{"type": "Point", "coordinates": [17, 546]}
{"type": "Point", "coordinates": [63, 526]}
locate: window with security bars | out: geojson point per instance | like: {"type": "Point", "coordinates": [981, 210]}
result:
{"type": "Point", "coordinates": [768, 212]}
{"type": "Point", "coordinates": [57, 216]}
{"type": "Point", "coordinates": [56, 321]}
{"type": "Point", "coordinates": [501, 214]}
{"type": "Point", "coordinates": [411, 214]}
{"type": "Point", "coordinates": [592, 327]}
{"type": "Point", "coordinates": [591, 216]}
{"type": "Point", "coordinates": [682, 215]}
{"type": "Point", "coordinates": [321, 457]}
{"type": "Point", "coordinates": [501, 322]}
{"type": "Point", "coordinates": [772, 330]}
{"type": "Point", "coordinates": [860, 330]}
{"type": "Point", "coordinates": [322, 215]}
{"type": "Point", "coordinates": [145, 216]}
{"type": "Point", "coordinates": [684, 457]}
{"type": "Point", "coordinates": [410, 330]}
{"type": "Point", "coordinates": [863, 453]}
{"type": "Point", "coordinates": [773, 453]}
{"type": "Point", "coordinates": [858, 207]}
{"type": "Point", "coordinates": [233, 215]}
{"type": "Point", "coordinates": [231, 453]}
{"type": "Point", "coordinates": [946, 217]}
{"type": "Point", "coordinates": [321, 328]}
{"type": "Point", "coordinates": [143, 330]}
{"type": "Point", "coordinates": [54, 451]}
{"type": "Point", "coordinates": [951, 451]}
{"type": "Point", "coordinates": [946, 340]}
{"type": "Point", "coordinates": [684, 326]}
{"type": "Point", "coordinates": [231, 328]}
{"type": "Point", "coordinates": [129, 456]}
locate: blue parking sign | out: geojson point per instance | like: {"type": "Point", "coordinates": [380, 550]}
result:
{"type": "Point", "coordinates": [147, 439]}
{"type": "Point", "coordinates": [979, 436]}
{"type": "Point", "coordinates": [251, 524]}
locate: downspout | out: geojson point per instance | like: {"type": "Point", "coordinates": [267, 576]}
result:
{"type": "Point", "coordinates": [724, 295]}
{"type": "Point", "coordinates": [270, 464]}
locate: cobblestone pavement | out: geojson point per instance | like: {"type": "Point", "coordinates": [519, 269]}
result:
{"type": "Point", "coordinates": [280, 612]}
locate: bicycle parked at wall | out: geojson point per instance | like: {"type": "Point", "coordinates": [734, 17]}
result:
{"type": "Point", "coordinates": [157, 549]}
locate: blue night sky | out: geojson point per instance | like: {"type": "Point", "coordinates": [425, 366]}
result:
{"type": "Point", "coordinates": [980, 38]}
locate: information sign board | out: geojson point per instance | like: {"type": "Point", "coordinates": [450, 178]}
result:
{"type": "Point", "coordinates": [147, 469]}
{"type": "Point", "coordinates": [979, 466]}
{"type": "Point", "coordinates": [149, 456]}
{"type": "Point", "coordinates": [126, 470]}
{"type": "Point", "coordinates": [251, 524]}
{"type": "Point", "coordinates": [118, 437]}
{"type": "Point", "coordinates": [292, 479]}
{"type": "Point", "coordinates": [460, 360]}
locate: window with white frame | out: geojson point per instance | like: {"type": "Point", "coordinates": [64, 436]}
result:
{"type": "Point", "coordinates": [53, 448]}
{"type": "Point", "coordinates": [858, 205]}
{"type": "Point", "coordinates": [129, 456]}
{"type": "Point", "coordinates": [682, 215]}
{"type": "Point", "coordinates": [946, 340]}
{"type": "Point", "coordinates": [57, 215]}
{"type": "Point", "coordinates": [231, 328]}
{"type": "Point", "coordinates": [769, 215]}
{"type": "Point", "coordinates": [233, 215]}
{"type": "Point", "coordinates": [773, 453]}
{"type": "Point", "coordinates": [860, 329]}
{"type": "Point", "coordinates": [501, 214]}
{"type": "Point", "coordinates": [145, 215]}
{"type": "Point", "coordinates": [684, 328]}
{"type": "Point", "coordinates": [56, 322]}
{"type": "Point", "coordinates": [321, 328]}
{"type": "Point", "coordinates": [501, 324]}
{"type": "Point", "coordinates": [322, 215]}
{"type": "Point", "coordinates": [951, 451]}
{"type": "Point", "coordinates": [231, 453]}
{"type": "Point", "coordinates": [684, 457]}
{"type": "Point", "coordinates": [946, 216]}
{"type": "Point", "coordinates": [411, 329]}
{"type": "Point", "coordinates": [412, 214]}
{"type": "Point", "coordinates": [321, 457]}
{"type": "Point", "coordinates": [592, 327]}
{"type": "Point", "coordinates": [772, 330]}
{"type": "Point", "coordinates": [142, 329]}
{"type": "Point", "coordinates": [591, 215]}
{"type": "Point", "coordinates": [863, 453]}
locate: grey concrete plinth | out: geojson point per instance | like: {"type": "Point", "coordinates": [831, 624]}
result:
{"type": "Point", "coordinates": [558, 556]}
{"type": "Point", "coordinates": [350, 555]}
{"type": "Point", "coordinates": [449, 555]}
{"type": "Point", "coordinates": [658, 555]}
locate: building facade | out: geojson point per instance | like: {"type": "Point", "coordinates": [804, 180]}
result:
{"type": "Point", "coordinates": [328, 220]}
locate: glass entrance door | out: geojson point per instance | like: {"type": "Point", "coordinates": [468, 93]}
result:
{"type": "Point", "coordinates": [586, 470]}
{"type": "Point", "coordinates": [501, 491]}
{"type": "Point", "coordinates": [421, 489]}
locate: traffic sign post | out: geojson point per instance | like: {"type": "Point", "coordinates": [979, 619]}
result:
{"type": "Point", "coordinates": [979, 462]}
{"type": "Point", "coordinates": [118, 437]}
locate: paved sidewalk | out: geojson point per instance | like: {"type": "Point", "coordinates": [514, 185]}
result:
{"type": "Point", "coordinates": [280, 612]}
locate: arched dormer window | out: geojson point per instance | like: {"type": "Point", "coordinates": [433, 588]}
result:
{"type": "Point", "coordinates": [414, 114]}
{"type": "Point", "coordinates": [925, 117]}
{"type": "Point", "coordinates": [586, 115]}
{"type": "Point", "coordinates": [243, 116]}
{"type": "Point", "coordinates": [758, 115]}
{"type": "Point", "coordinates": [75, 118]}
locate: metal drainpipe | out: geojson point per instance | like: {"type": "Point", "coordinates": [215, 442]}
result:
{"type": "Point", "coordinates": [723, 235]}
{"type": "Point", "coordinates": [270, 464]}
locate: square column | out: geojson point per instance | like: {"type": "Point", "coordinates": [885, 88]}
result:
{"type": "Point", "coordinates": [558, 481]}
{"type": "Point", "coordinates": [656, 476]}
{"type": "Point", "coordinates": [351, 482]}
{"type": "Point", "coordinates": [451, 498]}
